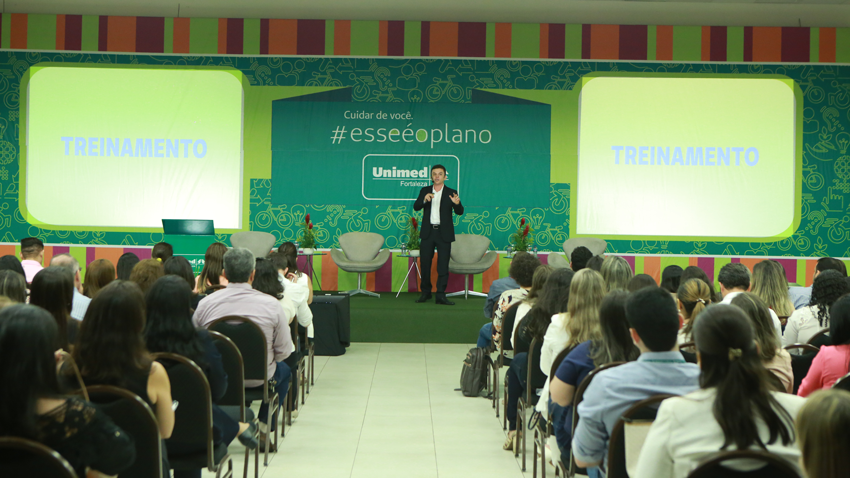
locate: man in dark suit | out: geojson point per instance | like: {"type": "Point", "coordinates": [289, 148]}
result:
{"type": "Point", "coordinates": [437, 232]}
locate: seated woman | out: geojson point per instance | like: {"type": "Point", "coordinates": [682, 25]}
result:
{"type": "Point", "coordinates": [616, 272]}
{"type": "Point", "coordinates": [99, 273]}
{"type": "Point", "coordinates": [110, 350]}
{"type": "Point", "coordinates": [554, 299]}
{"type": "Point", "coordinates": [179, 266]}
{"type": "Point", "coordinates": [126, 262]}
{"type": "Point", "coordinates": [736, 408]}
{"type": "Point", "coordinates": [640, 281]}
{"type": "Point", "coordinates": [692, 298]}
{"type": "Point", "coordinates": [775, 359]}
{"type": "Point", "coordinates": [831, 363]}
{"type": "Point", "coordinates": [770, 283]}
{"type": "Point", "coordinates": [512, 319]}
{"type": "Point", "coordinates": [694, 272]}
{"type": "Point", "coordinates": [53, 291]}
{"type": "Point", "coordinates": [822, 434]}
{"type": "Point", "coordinates": [13, 285]}
{"type": "Point", "coordinates": [212, 273]}
{"type": "Point", "coordinates": [145, 273]}
{"type": "Point", "coordinates": [614, 345]}
{"type": "Point", "coordinates": [805, 322]}
{"type": "Point", "coordinates": [169, 329]}
{"type": "Point", "coordinates": [34, 407]}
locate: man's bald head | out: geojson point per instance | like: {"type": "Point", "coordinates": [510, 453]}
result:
{"type": "Point", "coordinates": [70, 264]}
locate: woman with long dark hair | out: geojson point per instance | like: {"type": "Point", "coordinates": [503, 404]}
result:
{"type": "Point", "coordinates": [169, 329]}
{"type": "Point", "coordinates": [32, 405]}
{"type": "Point", "coordinates": [736, 407]}
{"type": "Point", "coordinates": [212, 273]}
{"type": "Point", "coordinates": [126, 262]}
{"type": "Point", "coordinates": [52, 289]}
{"type": "Point", "coordinates": [179, 266]}
{"type": "Point", "coordinates": [110, 350]}
{"type": "Point", "coordinates": [13, 285]}
{"type": "Point", "coordinates": [775, 359]}
{"type": "Point", "coordinates": [804, 323]}
{"type": "Point", "coordinates": [12, 263]}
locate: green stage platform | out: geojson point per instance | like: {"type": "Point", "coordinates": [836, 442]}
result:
{"type": "Point", "coordinates": [402, 320]}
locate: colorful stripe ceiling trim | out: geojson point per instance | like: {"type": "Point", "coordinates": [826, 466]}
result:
{"type": "Point", "coordinates": [237, 36]}
{"type": "Point", "coordinates": [391, 276]}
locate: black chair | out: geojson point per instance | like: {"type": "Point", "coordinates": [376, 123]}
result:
{"type": "Point", "coordinates": [820, 339]}
{"type": "Point", "coordinates": [502, 361]}
{"type": "Point", "coordinates": [800, 364]}
{"type": "Point", "coordinates": [775, 467]}
{"type": "Point", "coordinates": [842, 383]}
{"type": "Point", "coordinates": [251, 341]}
{"type": "Point", "coordinates": [543, 431]}
{"type": "Point", "coordinates": [535, 379]}
{"type": "Point", "coordinates": [577, 399]}
{"type": "Point", "coordinates": [193, 425]}
{"type": "Point", "coordinates": [231, 359]}
{"type": "Point", "coordinates": [645, 409]}
{"type": "Point", "coordinates": [135, 417]}
{"type": "Point", "coordinates": [22, 457]}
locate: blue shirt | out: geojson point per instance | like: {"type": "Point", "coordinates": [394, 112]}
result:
{"type": "Point", "coordinates": [800, 296]}
{"type": "Point", "coordinates": [613, 391]}
{"type": "Point", "coordinates": [576, 365]}
{"type": "Point", "coordinates": [496, 288]}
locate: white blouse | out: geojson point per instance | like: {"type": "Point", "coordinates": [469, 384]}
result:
{"type": "Point", "coordinates": [802, 325]}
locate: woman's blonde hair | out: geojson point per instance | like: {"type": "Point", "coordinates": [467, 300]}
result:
{"type": "Point", "coordinates": [822, 426]}
{"type": "Point", "coordinates": [616, 272]}
{"type": "Point", "coordinates": [769, 283]}
{"type": "Point", "coordinates": [695, 295]}
{"type": "Point", "coordinates": [586, 293]}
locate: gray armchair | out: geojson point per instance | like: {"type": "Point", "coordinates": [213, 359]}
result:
{"type": "Point", "coordinates": [258, 242]}
{"type": "Point", "coordinates": [470, 256]}
{"type": "Point", "coordinates": [361, 252]}
{"type": "Point", "coordinates": [596, 246]}
{"type": "Point", "coordinates": [557, 261]}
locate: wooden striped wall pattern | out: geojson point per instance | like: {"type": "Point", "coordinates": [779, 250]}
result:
{"type": "Point", "coordinates": [236, 36]}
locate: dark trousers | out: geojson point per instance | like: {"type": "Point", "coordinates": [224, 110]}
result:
{"type": "Point", "coordinates": [282, 376]}
{"type": "Point", "coordinates": [515, 378]}
{"type": "Point", "coordinates": [426, 252]}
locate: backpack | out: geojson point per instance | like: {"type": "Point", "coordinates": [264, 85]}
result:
{"type": "Point", "coordinates": [473, 376]}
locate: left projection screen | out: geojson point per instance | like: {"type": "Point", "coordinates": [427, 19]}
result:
{"type": "Point", "coordinates": [111, 147]}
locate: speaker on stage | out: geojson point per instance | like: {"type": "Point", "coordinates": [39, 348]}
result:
{"type": "Point", "coordinates": [331, 323]}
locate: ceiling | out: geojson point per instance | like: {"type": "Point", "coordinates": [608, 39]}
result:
{"type": "Point", "coordinates": [806, 13]}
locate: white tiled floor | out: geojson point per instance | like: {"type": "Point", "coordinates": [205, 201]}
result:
{"type": "Point", "coordinates": [391, 410]}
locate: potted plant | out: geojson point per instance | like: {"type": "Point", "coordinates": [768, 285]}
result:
{"type": "Point", "coordinates": [307, 239]}
{"type": "Point", "coordinates": [522, 239]}
{"type": "Point", "coordinates": [413, 242]}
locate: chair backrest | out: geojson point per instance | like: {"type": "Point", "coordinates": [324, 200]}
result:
{"type": "Point", "coordinates": [536, 379]}
{"type": "Point", "coordinates": [258, 242]}
{"type": "Point", "coordinates": [775, 467]}
{"type": "Point", "coordinates": [22, 457]}
{"type": "Point", "coordinates": [843, 383]}
{"type": "Point", "coordinates": [820, 339]}
{"type": "Point", "coordinates": [645, 409]}
{"type": "Point", "coordinates": [596, 246]}
{"type": "Point", "coordinates": [251, 341]}
{"type": "Point", "coordinates": [469, 248]}
{"type": "Point", "coordinates": [231, 359]}
{"type": "Point", "coordinates": [557, 362]}
{"type": "Point", "coordinates": [193, 427]}
{"type": "Point", "coordinates": [135, 417]}
{"type": "Point", "coordinates": [800, 364]}
{"type": "Point", "coordinates": [361, 246]}
{"type": "Point", "coordinates": [557, 261]}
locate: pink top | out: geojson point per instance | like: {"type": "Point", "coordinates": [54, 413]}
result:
{"type": "Point", "coordinates": [31, 268]}
{"type": "Point", "coordinates": [828, 366]}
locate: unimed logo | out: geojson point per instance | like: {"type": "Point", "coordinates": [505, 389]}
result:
{"type": "Point", "coordinates": [398, 177]}
{"type": "Point", "coordinates": [381, 172]}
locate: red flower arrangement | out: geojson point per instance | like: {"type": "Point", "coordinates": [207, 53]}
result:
{"type": "Point", "coordinates": [413, 235]}
{"type": "Point", "coordinates": [307, 239]}
{"type": "Point", "coordinates": [522, 239]}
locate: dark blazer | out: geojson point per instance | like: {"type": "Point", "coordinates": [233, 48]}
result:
{"type": "Point", "coordinates": [447, 228]}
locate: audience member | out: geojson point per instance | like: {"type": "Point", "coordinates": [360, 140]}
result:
{"type": "Point", "coordinates": [522, 270]}
{"type": "Point", "coordinates": [80, 302]}
{"type": "Point", "coordinates": [654, 323]}
{"type": "Point", "coordinates": [169, 329]}
{"type": "Point", "coordinates": [32, 405]}
{"type": "Point", "coordinates": [13, 286]}
{"type": "Point", "coordinates": [822, 425]}
{"type": "Point", "coordinates": [804, 323]}
{"type": "Point", "coordinates": [52, 289]}
{"type": "Point", "coordinates": [640, 281]}
{"type": "Point", "coordinates": [616, 272]}
{"type": "Point", "coordinates": [162, 251]}
{"type": "Point", "coordinates": [98, 274]}
{"type": "Point", "coordinates": [266, 280]}
{"type": "Point", "coordinates": [774, 358]}
{"type": "Point", "coordinates": [289, 249]}
{"type": "Point", "coordinates": [771, 284]}
{"type": "Point", "coordinates": [145, 273]}
{"type": "Point", "coordinates": [692, 298]}
{"type": "Point", "coordinates": [179, 266]}
{"type": "Point", "coordinates": [801, 296]}
{"type": "Point", "coordinates": [126, 262]}
{"type": "Point", "coordinates": [111, 350]}
{"type": "Point", "coordinates": [734, 279]}
{"type": "Point", "coordinates": [296, 288]}
{"type": "Point", "coordinates": [579, 258]}
{"type": "Point", "coordinates": [32, 257]}
{"type": "Point", "coordinates": [614, 345]}
{"type": "Point", "coordinates": [694, 272]}
{"type": "Point", "coordinates": [670, 278]}
{"type": "Point", "coordinates": [513, 317]}
{"type": "Point", "coordinates": [213, 272]}
{"type": "Point", "coordinates": [595, 263]}
{"type": "Point", "coordinates": [239, 298]}
{"type": "Point", "coordinates": [736, 391]}
{"type": "Point", "coordinates": [832, 362]}
{"type": "Point", "coordinates": [11, 263]}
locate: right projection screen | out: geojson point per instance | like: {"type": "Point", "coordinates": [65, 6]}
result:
{"type": "Point", "coordinates": [687, 158]}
